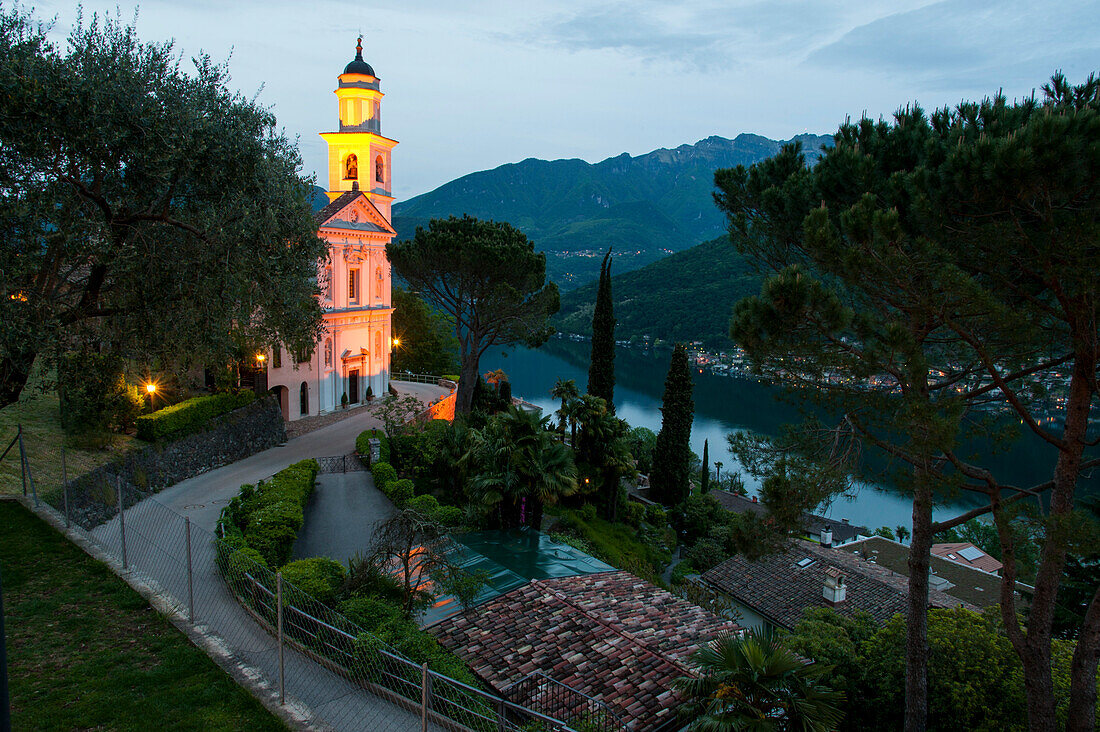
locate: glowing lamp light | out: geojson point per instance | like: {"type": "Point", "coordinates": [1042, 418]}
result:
{"type": "Point", "coordinates": [261, 358]}
{"type": "Point", "coordinates": [396, 342]}
{"type": "Point", "coordinates": [151, 388]}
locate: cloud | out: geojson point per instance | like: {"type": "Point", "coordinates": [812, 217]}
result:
{"type": "Point", "coordinates": [959, 44]}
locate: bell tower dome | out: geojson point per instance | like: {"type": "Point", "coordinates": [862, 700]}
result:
{"type": "Point", "coordinates": [358, 154]}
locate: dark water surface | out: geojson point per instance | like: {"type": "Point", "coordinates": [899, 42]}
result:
{"type": "Point", "coordinates": [723, 405]}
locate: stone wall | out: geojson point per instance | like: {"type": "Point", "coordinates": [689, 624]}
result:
{"type": "Point", "coordinates": [229, 438]}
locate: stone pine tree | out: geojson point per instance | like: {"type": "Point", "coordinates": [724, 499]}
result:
{"type": "Point", "coordinates": [669, 482]}
{"type": "Point", "coordinates": [601, 370]}
{"type": "Point", "coordinates": [704, 474]}
{"type": "Point", "coordinates": [943, 265]}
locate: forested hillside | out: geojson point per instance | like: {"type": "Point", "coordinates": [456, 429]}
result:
{"type": "Point", "coordinates": [645, 207]}
{"type": "Point", "coordinates": [686, 296]}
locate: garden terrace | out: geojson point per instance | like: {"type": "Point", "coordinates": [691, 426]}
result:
{"type": "Point", "coordinates": [610, 636]}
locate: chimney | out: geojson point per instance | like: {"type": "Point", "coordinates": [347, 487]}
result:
{"type": "Point", "coordinates": [826, 537]}
{"type": "Point", "coordinates": [844, 521]}
{"type": "Point", "coordinates": [834, 590]}
{"type": "Point", "coordinates": [754, 499]}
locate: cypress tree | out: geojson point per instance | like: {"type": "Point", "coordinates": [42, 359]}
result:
{"type": "Point", "coordinates": [704, 477]}
{"type": "Point", "coordinates": [601, 370]}
{"type": "Point", "coordinates": [672, 454]}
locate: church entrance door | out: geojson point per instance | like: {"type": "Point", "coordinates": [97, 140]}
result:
{"type": "Point", "coordinates": [353, 386]}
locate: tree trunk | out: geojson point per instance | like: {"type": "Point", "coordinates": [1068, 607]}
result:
{"type": "Point", "coordinates": [916, 631]}
{"type": "Point", "coordinates": [1082, 688]}
{"type": "Point", "coordinates": [15, 370]}
{"type": "Point", "coordinates": [467, 380]}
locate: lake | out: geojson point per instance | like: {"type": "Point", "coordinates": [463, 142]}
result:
{"type": "Point", "coordinates": [726, 404]}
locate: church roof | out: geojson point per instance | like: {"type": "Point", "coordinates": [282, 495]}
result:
{"type": "Point", "coordinates": [325, 217]}
{"type": "Point", "coordinates": [359, 66]}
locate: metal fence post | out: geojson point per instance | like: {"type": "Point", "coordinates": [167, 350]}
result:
{"type": "Point", "coordinates": [190, 574]}
{"type": "Point", "coordinates": [65, 485]}
{"type": "Point", "coordinates": [121, 521]}
{"type": "Point", "coordinates": [500, 715]}
{"type": "Point", "coordinates": [22, 459]}
{"type": "Point", "coordinates": [279, 631]}
{"type": "Point", "coordinates": [425, 691]}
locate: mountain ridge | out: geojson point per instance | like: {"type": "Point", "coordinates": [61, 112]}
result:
{"type": "Point", "coordinates": [645, 206]}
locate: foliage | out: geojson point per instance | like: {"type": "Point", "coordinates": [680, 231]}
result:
{"type": "Point", "coordinates": [488, 278]}
{"type": "Point", "coordinates": [757, 682]}
{"type": "Point", "coordinates": [516, 467]}
{"type": "Point", "coordinates": [397, 414]}
{"type": "Point", "coordinates": [698, 515]}
{"type": "Point", "coordinates": [641, 441]}
{"type": "Point", "coordinates": [399, 491]}
{"type": "Point", "coordinates": [704, 468]}
{"type": "Point", "coordinates": [319, 577]}
{"type": "Point", "coordinates": [94, 394]}
{"type": "Point", "coordinates": [148, 207]}
{"type": "Point", "coordinates": [617, 544]}
{"type": "Point", "coordinates": [601, 368]}
{"type": "Point", "coordinates": [427, 342]}
{"type": "Point", "coordinates": [633, 513]}
{"type": "Point", "coordinates": [189, 416]}
{"type": "Point", "coordinates": [672, 452]}
{"type": "Point", "coordinates": [269, 515]}
{"type": "Point", "coordinates": [383, 473]}
{"type": "Point", "coordinates": [362, 444]}
{"type": "Point", "coordinates": [655, 515]}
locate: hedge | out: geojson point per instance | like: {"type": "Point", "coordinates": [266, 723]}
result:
{"type": "Point", "coordinates": [268, 516]}
{"type": "Point", "coordinates": [362, 445]}
{"type": "Point", "coordinates": [399, 491]}
{"type": "Point", "coordinates": [429, 506]}
{"type": "Point", "coordinates": [189, 416]}
{"type": "Point", "coordinates": [320, 577]}
{"type": "Point", "coordinates": [383, 473]}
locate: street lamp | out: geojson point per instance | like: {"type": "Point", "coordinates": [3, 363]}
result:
{"type": "Point", "coordinates": [260, 358]}
{"type": "Point", "coordinates": [396, 342]}
{"type": "Point", "coordinates": [151, 390]}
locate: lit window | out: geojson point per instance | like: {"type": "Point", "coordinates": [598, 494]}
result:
{"type": "Point", "coordinates": [351, 167]}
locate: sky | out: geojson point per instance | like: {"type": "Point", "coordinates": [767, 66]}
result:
{"type": "Point", "coordinates": [475, 84]}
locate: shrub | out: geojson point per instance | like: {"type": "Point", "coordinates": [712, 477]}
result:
{"type": "Point", "coordinates": [95, 395]}
{"type": "Point", "coordinates": [189, 416]}
{"type": "Point", "coordinates": [655, 515]}
{"type": "Point", "coordinates": [633, 513]}
{"type": "Point", "coordinates": [270, 514]}
{"type": "Point", "coordinates": [449, 515]}
{"type": "Point", "coordinates": [320, 577]}
{"type": "Point", "coordinates": [400, 491]}
{"type": "Point", "coordinates": [588, 511]}
{"type": "Point", "coordinates": [383, 473]}
{"type": "Point", "coordinates": [365, 579]}
{"type": "Point", "coordinates": [369, 612]}
{"type": "Point", "coordinates": [451, 377]}
{"type": "Point", "coordinates": [362, 445]}
{"type": "Point", "coordinates": [426, 505]}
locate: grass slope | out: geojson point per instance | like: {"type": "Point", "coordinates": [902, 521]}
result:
{"type": "Point", "coordinates": [40, 416]}
{"type": "Point", "coordinates": [686, 296]}
{"type": "Point", "coordinates": [87, 652]}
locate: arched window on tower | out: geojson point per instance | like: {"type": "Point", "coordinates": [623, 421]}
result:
{"type": "Point", "coordinates": [304, 399]}
{"type": "Point", "coordinates": [351, 167]}
{"type": "Point", "coordinates": [378, 278]}
{"type": "Point", "coordinates": [379, 169]}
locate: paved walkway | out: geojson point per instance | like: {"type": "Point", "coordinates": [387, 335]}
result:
{"type": "Point", "coordinates": [203, 496]}
{"type": "Point", "coordinates": [156, 543]}
{"type": "Point", "coordinates": [341, 516]}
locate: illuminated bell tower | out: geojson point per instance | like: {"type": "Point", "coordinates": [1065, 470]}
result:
{"type": "Point", "coordinates": [358, 155]}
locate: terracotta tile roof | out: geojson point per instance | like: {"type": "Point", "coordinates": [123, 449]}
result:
{"type": "Point", "coordinates": [779, 588]}
{"type": "Point", "coordinates": [982, 561]}
{"type": "Point", "coordinates": [811, 523]}
{"type": "Point", "coordinates": [611, 636]}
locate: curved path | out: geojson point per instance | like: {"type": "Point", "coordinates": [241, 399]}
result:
{"type": "Point", "coordinates": [203, 496]}
{"type": "Point", "coordinates": [341, 517]}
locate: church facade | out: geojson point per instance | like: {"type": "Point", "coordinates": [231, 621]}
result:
{"type": "Point", "coordinates": [352, 359]}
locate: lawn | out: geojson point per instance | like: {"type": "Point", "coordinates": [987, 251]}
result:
{"type": "Point", "coordinates": [87, 652]}
{"type": "Point", "coordinates": [617, 544]}
{"type": "Point", "coordinates": [40, 416]}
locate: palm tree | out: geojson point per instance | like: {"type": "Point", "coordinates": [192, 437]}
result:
{"type": "Point", "coordinates": [519, 467]}
{"type": "Point", "coordinates": [753, 682]}
{"type": "Point", "coordinates": [603, 453]}
{"type": "Point", "coordinates": [566, 391]}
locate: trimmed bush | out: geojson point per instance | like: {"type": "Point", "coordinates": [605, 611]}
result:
{"type": "Point", "coordinates": [189, 416]}
{"type": "Point", "coordinates": [656, 516]}
{"type": "Point", "coordinates": [369, 612]}
{"type": "Point", "coordinates": [383, 473]}
{"type": "Point", "coordinates": [426, 505]}
{"type": "Point", "coordinates": [270, 514]}
{"type": "Point", "coordinates": [320, 577]}
{"type": "Point", "coordinates": [400, 491]}
{"type": "Point", "coordinates": [449, 515]}
{"type": "Point", "coordinates": [362, 445]}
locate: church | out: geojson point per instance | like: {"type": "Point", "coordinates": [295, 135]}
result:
{"type": "Point", "coordinates": [351, 362]}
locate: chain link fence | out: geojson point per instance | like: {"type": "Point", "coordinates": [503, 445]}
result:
{"type": "Point", "coordinates": [322, 666]}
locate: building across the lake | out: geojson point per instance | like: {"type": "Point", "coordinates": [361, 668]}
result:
{"type": "Point", "coordinates": [352, 359]}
